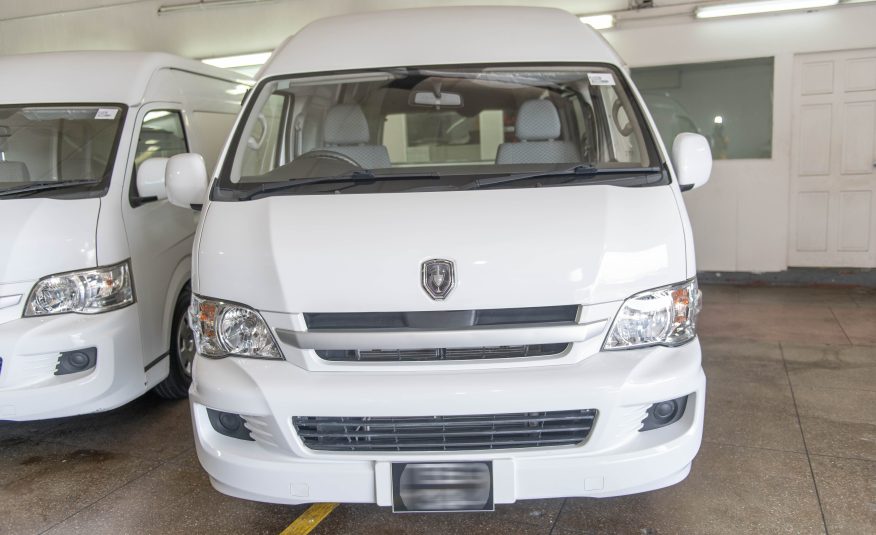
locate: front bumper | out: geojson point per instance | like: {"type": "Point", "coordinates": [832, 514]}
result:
{"type": "Point", "coordinates": [616, 458]}
{"type": "Point", "coordinates": [30, 348]}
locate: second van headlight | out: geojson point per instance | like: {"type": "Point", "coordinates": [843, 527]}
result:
{"type": "Point", "coordinates": [89, 291]}
{"type": "Point", "coordinates": [224, 329]}
{"type": "Point", "coordinates": [662, 316]}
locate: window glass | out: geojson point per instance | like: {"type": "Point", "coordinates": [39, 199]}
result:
{"type": "Point", "coordinates": [729, 102]}
{"type": "Point", "coordinates": [264, 138]}
{"type": "Point", "coordinates": [453, 124]}
{"type": "Point", "coordinates": [161, 136]}
{"type": "Point", "coordinates": [56, 143]}
{"type": "Point", "coordinates": [446, 137]}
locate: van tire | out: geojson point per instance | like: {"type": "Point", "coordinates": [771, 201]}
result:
{"type": "Point", "coordinates": [176, 384]}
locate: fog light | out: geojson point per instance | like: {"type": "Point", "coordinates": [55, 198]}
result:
{"type": "Point", "coordinates": [664, 413]}
{"type": "Point", "coordinates": [665, 410]}
{"type": "Point", "coordinates": [228, 424]}
{"type": "Point", "coordinates": [76, 361]}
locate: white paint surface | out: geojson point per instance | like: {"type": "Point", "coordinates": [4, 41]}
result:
{"type": "Point", "coordinates": [741, 220]}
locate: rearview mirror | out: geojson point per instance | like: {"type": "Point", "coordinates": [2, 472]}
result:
{"type": "Point", "coordinates": [440, 100]}
{"type": "Point", "coordinates": [150, 178]}
{"type": "Point", "coordinates": [186, 180]}
{"type": "Point", "coordinates": [692, 160]}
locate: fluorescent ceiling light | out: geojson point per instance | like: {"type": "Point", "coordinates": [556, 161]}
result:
{"type": "Point", "coordinates": [243, 60]}
{"type": "Point", "coordinates": [598, 22]}
{"type": "Point", "coordinates": [762, 6]}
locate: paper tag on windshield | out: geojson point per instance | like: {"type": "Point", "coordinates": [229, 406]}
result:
{"type": "Point", "coordinates": [110, 113]}
{"type": "Point", "coordinates": [600, 78]}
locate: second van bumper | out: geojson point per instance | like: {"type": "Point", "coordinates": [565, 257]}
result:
{"type": "Point", "coordinates": [30, 349]}
{"type": "Point", "coordinates": [615, 459]}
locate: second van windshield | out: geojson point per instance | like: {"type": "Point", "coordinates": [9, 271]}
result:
{"type": "Point", "coordinates": [438, 126]}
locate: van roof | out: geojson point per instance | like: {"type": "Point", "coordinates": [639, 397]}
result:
{"type": "Point", "coordinates": [440, 36]}
{"type": "Point", "coordinates": [92, 76]}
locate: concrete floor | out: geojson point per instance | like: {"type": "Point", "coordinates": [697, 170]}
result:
{"type": "Point", "coordinates": [789, 446]}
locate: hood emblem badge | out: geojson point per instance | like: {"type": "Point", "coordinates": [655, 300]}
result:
{"type": "Point", "coordinates": [438, 278]}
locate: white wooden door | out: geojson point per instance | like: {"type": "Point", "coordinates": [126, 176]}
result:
{"type": "Point", "coordinates": [833, 160]}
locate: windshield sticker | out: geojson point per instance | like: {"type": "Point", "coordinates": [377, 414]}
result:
{"type": "Point", "coordinates": [110, 113]}
{"type": "Point", "coordinates": [600, 78]}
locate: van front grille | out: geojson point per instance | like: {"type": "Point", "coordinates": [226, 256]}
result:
{"type": "Point", "coordinates": [445, 433]}
{"type": "Point", "coordinates": [457, 353]}
{"type": "Point", "coordinates": [442, 319]}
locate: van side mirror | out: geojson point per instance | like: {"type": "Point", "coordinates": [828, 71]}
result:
{"type": "Point", "coordinates": [186, 180]}
{"type": "Point", "coordinates": [692, 159]}
{"type": "Point", "coordinates": [150, 178]}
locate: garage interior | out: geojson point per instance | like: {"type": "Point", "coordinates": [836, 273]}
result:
{"type": "Point", "coordinates": [785, 235]}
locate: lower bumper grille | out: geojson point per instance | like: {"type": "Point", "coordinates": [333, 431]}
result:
{"type": "Point", "coordinates": [463, 353]}
{"type": "Point", "coordinates": [445, 433]}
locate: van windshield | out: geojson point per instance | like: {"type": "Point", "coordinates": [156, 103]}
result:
{"type": "Point", "coordinates": [404, 129]}
{"type": "Point", "coordinates": [57, 147]}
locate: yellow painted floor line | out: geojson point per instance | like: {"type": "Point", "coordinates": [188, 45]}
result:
{"type": "Point", "coordinates": [309, 519]}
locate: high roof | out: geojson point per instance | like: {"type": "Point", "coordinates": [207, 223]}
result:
{"type": "Point", "coordinates": [94, 76]}
{"type": "Point", "coordinates": [439, 36]}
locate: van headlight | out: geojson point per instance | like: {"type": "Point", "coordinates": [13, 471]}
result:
{"type": "Point", "coordinates": [663, 316]}
{"type": "Point", "coordinates": [228, 329]}
{"type": "Point", "coordinates": [89, 291]}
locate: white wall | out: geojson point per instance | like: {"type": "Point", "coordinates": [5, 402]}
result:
{"type": "Point", "coordinates": [740, 219]}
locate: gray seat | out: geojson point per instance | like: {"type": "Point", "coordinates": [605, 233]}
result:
{"type": "Point", "coordinates": [346, 131]}
{"type": "Point", "coordinates": [538, 129]}
{"type": "Point", "coordinates": [14, 172]}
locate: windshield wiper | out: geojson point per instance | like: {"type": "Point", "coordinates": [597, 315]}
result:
{"type": "Point", "coordinates": [365, 176]}
{"type": "Point", "coordinates": [572, 172]}
{"type": "Point", "coordinates": [44, 186]}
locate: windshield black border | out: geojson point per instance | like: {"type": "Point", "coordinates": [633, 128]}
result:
{"type": "Point", "coordinates": [101, 186]}
{"type": "Point", "coordinates": [223, 178]}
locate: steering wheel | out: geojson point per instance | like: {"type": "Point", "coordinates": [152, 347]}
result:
{"type": "Point", "coordinates": [329, 154]}
{"type": "Point", "coordinates": [615, 109]}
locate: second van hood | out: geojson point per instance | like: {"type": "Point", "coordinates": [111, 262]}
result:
{"type": "Point", "coordinates": [41, 236]}
{"type": "Point", "coordinates": [511, 248]}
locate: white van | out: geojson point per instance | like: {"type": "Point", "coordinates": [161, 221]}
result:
{"type": "Point", "coordinates": [94, 260]}
{"type": "Point", "coordinates": [445, 263]}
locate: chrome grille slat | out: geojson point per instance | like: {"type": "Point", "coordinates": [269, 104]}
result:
{"type": "Point", "coordinates": [421, 355]}
{"type": "Point", "coordinates": [440, 433]}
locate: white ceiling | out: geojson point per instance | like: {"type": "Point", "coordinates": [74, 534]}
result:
{"type": "Point", "coordinates": [50, 25]}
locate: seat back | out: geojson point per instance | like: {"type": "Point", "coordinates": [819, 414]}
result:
{"type": "Point", "coordinates": [346, 131]}
{"type": "Point", "coordinates": [14, 172]}
{"type": "Point", "coordinates": [538, 129]}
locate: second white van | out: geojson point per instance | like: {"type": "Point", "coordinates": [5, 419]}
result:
{"type": "Point", "coordinates": [94, 259]}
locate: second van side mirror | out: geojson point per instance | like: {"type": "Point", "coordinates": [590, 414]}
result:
{"type": "Point", "coordinates": [150, 178]}
{"type": "Point", "coordinates": [186, 180]}
{"type": "Point", "coordinates": [692, 159]}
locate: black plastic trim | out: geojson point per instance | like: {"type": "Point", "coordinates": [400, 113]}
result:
{"type": "Point", "coordinates": [653, 422]}
{"type": "Point", "coordinates": [445, 319]}
{"type": "Point", "coordinates": [239, 432]}
{"type": "Point", "coordinates": [65, 367]}
{"type": "Point", "coordinates": [156, 361]}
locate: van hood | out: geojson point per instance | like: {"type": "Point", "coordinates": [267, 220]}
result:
{"type": "Point", "coordinates": [511, 248]}
{"type": "Point", "coordinates": [41, 236]}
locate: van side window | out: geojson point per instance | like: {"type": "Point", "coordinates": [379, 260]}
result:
{"type": "Point", "coordinates": [161, 136]}
{"type": "Point", "coordinates": [265, 144]}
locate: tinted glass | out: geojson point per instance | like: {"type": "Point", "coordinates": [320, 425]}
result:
{"type": "Point", "coordinates": [57, 143]}
{"type": "Point", "coordinates": [729, 102]}
{"type": "Point", "coordinates": [447, 121]}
